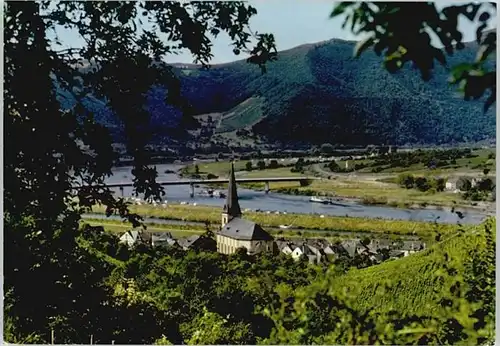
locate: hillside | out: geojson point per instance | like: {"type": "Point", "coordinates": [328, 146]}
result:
{"type": "Point", "coordinates": [319, 93]}
{"type": "Point", "coordinates": [415, 288]}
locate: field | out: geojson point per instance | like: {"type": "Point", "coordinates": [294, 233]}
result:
{"type": "Point", "coordinates": [357, 188]}
{"type": "Point", "coordinates": [463, 165]}
{"type": "Point", "coordinates": [245, 114]}
{"type": "Point", "coordinates": [413, 277]}
{"type": "Point", "coordinates": [178, 231]}
{"type": "Point", "coordinates": [332, 224]}
{"type": "Point", "coordinates": [221, 169]}
{"type": "Point", "coordinates": [367, 187]}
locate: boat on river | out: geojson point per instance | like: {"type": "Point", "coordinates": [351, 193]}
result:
{"type": "Point", "coordinates": [207, 193]}
{"type": "Point", "coordinates": [315, 199]}
{"type": "Point", "coordinates": [219, 194]}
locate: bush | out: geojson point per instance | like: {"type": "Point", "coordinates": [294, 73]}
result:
{"type": "Point", "coordinates": [369, 200]}
{"type": "Point", "coordinates": [422, 184]}
{"type": "Point", "coordinates": [334, 167]}
{"type": "Point", "coordinates": [440, 184]}
{"type": "Point", "coordinates": [406, 181]}
{"type": "Point", "coordinates": [274, 164]}
{"type": "Point", "coordinates": [485, 185]}
{"type": "Point", "coordinates": [464, 184]}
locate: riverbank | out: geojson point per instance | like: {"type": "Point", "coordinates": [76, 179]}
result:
{"type": "Point", "coordinates": [295, 222]}
{"type": "Point", "coordinates": [115, 225]}
{"type": "Point", "coordinates": [371, 189]}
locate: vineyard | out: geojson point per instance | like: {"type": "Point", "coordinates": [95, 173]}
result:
{"type": "Point", "coordinates": [413, 285]}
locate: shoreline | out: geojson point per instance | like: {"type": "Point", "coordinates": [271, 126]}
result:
{"type": "Point", "coordinates": [487, 210]}
{"type": "Point", "coordinates": [484, 208]}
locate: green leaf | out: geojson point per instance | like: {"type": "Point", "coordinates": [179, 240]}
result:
{"type": "Point", "coordinates": [341, 8]}
{"type": "Point", "coordinates": [362, 45]}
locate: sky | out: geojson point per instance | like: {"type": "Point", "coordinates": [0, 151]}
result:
{"type": "Point", "coordinates": [293, 23]}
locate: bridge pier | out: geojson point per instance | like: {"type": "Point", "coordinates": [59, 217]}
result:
{"type": "Point", "coordinates": [266, 188]}
{"type": "Point", "coordinates": [191, 194]}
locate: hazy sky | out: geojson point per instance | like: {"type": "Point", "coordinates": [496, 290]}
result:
{"type": "Point", "coordinates": [293, 22]}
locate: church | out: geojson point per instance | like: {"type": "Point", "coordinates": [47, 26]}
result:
{"type": "Point", "coordinates": [237, 232]}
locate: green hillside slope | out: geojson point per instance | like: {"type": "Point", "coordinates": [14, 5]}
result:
{"type": "Point", "coordinates": [319, 93]}
{"type": "Point", "coordinates": [414, 288]}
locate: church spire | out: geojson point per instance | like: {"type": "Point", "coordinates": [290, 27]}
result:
{"type": "Point", "coordinates": [232, 206]}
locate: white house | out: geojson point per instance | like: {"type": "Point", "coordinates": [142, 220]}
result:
{"type": "Point", "coordinates": [312, 253]}
{"type": "Point", "coordinates": [133, 237]}
{"type": "Point", "coordinates": [287, 249]}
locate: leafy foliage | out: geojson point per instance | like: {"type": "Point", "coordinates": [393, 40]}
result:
{"type": "Point", "coordinates": [86, 283]}
{"type": "Point", "coordinates": [386, 304]}
{"type": "Point", "coordinates": [67, 148]}
{"type": "Point", "coordinates": [402, 33]}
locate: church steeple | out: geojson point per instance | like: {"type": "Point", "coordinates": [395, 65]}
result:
{"type": "Point", "coordinates": [232, 207]}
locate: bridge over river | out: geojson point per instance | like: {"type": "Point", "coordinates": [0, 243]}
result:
{"type": "Point", "coordinates": [303, 181]}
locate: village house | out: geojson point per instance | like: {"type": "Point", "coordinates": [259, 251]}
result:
{"type": "Point", "coordinates": [312, 253]}
{"type": "Point", "coordinates": [330, 253]}
{"type": "Point", "coordinates": [237, 232]}
{"type": "Point", "coordinates": [198, 243]}
{"type": "Point", "coordinates": [451, 185]}
{"type": "Point", "coordinates": [134, 237]}
{"type": "Point", "coordinates": [352, 247]}
{"type": "Point", "coordinates": [285, 247]}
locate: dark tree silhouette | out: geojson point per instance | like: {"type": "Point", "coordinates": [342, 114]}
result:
{"type": "Point", "coordinates": [51, 280]}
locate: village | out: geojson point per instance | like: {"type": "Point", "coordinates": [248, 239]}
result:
{"type": "Point", "coordinates": [236, 234]}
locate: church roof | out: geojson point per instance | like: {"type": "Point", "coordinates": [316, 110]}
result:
{"type": "Point", "coordinates": [232, 206]}
{"type": "Point", "coordinates": [244, 230]}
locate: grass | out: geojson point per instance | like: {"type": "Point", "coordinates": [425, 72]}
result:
{"type": "Point", "coordinates": [266, 173]}
{"type": "Point", "coordinates": [414, 278]}
{"type": "Point", "coordinates": [462, 165]}
{"type": "Point", "coordinates": [188, 230]}
{"type": "Point", "coordinates": [332, 224]}
{"type": "Point", "coordinates": [244, 114]}
{"type": "Point", "coordinates": [384, 189]}
{"type": "Point", "coordinates": [120, 227]}
{"type": "Point", "coordinates": [220, 168]}
{"type": "Point", "coordinates": [362, 189]}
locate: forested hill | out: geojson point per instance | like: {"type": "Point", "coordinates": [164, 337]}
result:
{"type": "Point", "coordinates": [319, 93]}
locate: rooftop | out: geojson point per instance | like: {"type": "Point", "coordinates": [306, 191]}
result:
{"type": "Point", "coordinates": [242, 229]}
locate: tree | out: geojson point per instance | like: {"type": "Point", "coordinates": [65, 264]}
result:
{"type": "Point", "coordinates": [334, 167]}
{"type": "Point", "coordinates": [274, 164]}
{"type": "Point", "coordinates": [406, 180]}
{"type": "Point", "coordinates": [422, 184]}
{"type": "Point", "coordinates": [486, 185]}
{"type": "Point", "coordinates": [464, 184]}
{"type": "Point", "coordinates": [261, 165]}
{"type": "Point", "coordinates": [196, 169]}
{"type": "Point", "coordinates": [440, 184]}
{"type": "Point", "coordinates": [486, 171]}
{"type": "Point", "coordinates": [326, 148]}
{"type": "Point", "coordinates": [401, 31]}
{"type": "Point", "coordinates": [120, 63]}
{"type": "Point", "coordinates": [249, 166]}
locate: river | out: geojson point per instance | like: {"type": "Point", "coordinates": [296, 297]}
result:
{"type": "Point", "coordinates": [254, 200]}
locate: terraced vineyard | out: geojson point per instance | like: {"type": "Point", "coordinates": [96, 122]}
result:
{"type": "Point", "coordinates": [415, 288]}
